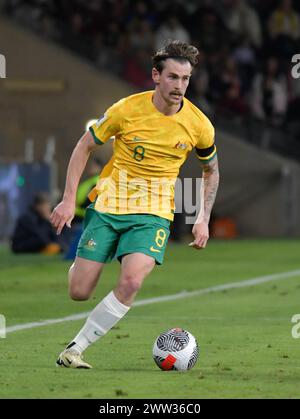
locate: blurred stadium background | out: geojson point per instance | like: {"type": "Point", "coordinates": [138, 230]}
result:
{"type": "Point", "coordinates": [67, 61]}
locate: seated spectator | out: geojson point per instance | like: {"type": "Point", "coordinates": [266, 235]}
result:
{"type": "Point", "coordinates": [33, 232]}
{"type": "Point", "coordinates": [137, 69]}
{"type": "Point", "coordinates": [141, 35]}
{"type": "Point", "coordinates": [199, 86]}
{"type": "Point", "coordinates": [231, 102]}
{"type": "Point", "coordinates": [284, 29]}
{"type": "Point", "coordinates": [171, 29]}
{"type": "Point", "coordinates": [242, 20]}
{"type": "Point", "coordinates": [245, 59]}
{"type": "Point", "coordinates": [269, 94]}
{"type": "Point", "coordinates": [207, 29]}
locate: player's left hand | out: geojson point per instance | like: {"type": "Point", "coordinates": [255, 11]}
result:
{"type": "Point", "coordinates": [201, 234]}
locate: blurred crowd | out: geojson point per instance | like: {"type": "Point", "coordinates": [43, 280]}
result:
{"type": "Point", "coordinates": [246, 47]}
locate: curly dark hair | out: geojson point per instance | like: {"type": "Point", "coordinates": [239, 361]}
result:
{"type": "Point", "coordinates": [177, 50]}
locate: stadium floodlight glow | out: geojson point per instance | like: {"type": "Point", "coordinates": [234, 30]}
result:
{"type": "Point", "coordinates": [89, 123]}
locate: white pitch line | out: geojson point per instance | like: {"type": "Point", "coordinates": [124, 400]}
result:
{"type": "Point", "coordinates": [180, 295]}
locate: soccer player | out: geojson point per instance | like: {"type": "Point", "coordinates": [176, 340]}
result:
{"type": "Point", "coordinates": [132, 203]}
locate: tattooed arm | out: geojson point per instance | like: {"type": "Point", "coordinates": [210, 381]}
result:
{"type": "Point", "coordinates": [210, 183]}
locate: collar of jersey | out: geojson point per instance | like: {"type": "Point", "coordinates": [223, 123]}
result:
{"type": "Point", "coordinates": [162, 114]}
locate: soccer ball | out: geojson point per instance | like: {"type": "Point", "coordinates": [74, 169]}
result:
{"type": "Point", "coordinates": [176, 349]}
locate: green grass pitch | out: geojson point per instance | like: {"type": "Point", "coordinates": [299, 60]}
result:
{"type": "Point", "coordinates": [246, 346]}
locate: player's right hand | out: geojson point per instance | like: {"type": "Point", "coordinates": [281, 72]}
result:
{"type": "Point", "coordinates": [62, 214]}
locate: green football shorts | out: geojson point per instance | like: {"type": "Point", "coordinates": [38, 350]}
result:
{"type": "Point", "coordinates": [109, 236]}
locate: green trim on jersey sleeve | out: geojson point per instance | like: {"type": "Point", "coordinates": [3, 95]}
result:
{"type": "Point", "coordinates": [207, 159]}
{"type": "Point", "coordinates": [97, 141]}
{"type": "Point", "coordinates": [206, 154]}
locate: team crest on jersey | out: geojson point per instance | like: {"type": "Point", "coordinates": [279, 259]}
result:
{"type": "Point", "coordinates": [90, 244]}
{"type": "Point", "coordinates": [181, 146]}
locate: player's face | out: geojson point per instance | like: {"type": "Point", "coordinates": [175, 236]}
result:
{"type": "Point", "coordinates": [173, 81]}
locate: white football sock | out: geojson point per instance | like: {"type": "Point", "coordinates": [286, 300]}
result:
{"type": "Point", "coordinates": [104, 316]}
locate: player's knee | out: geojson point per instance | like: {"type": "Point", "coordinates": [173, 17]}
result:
{"type": "Point", "coordinates": [131, 283]}
{"type": "Point", "coordinates": [78, 294]}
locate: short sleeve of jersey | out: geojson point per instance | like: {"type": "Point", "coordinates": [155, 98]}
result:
{"type": "Point", "coordinates": [108, 125]}
{"type": "Point", "coordinates": [205, 147]}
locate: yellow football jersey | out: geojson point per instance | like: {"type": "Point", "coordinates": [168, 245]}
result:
{"type": "Point", "coordinates": [149, 149]}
